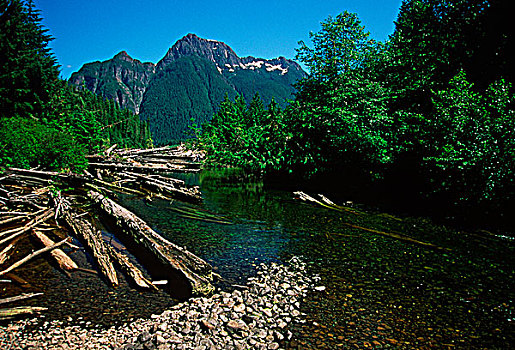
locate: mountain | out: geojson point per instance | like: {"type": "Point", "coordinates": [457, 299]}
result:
{"type": "Point", "coordinates": [122, 79]}
{"type": "Point", "coordinates": [188, 83]}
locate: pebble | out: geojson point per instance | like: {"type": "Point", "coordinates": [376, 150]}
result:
{"type": "Point", "coordinates": [256, 318]}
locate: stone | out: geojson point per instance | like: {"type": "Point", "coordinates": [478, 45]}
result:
{"type": "Point", "coordinates": [159, 339]}
{"type": "Point", "coordinates": [273, 346]}
{"type": "Point", "coordinates": [267, 312]}
{"type": "Point", "coordinates": [239, 308]}
{"type": "Point", "coordinates": [236, 325]}
{"type": "Point", "coordinates": [262, 333]}
{"type": "Point", "coordinates": [144, 337]}
{"type": "Point", "coordinates": [278, 336]}
{"type": "Point", "coordinates": [281, 324]}
{"type": "Point", "coordinates": [208, 324]}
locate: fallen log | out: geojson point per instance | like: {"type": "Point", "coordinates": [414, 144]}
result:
{"type": "Point", "coordinates": [129, 268]}
{"type": "Point", "coordinates": [25, 203]}
{"type": "Point", "coordinates": [4, 254]}
{"type": "Point", "coordinates": [325, 202]}
{"type": "Point", "coordinates": [19, 297]}
{"type": "Point", "coordinates": [143, 168]}
{"type": "Point", "coordinates": [168, 159]}
{"type": "Point", "coordinates": [14, 213]}
{"type": "Point", "coordinates": [20, 310]}
{"type": "Point", "coordinates": [17, 279]}
{"type": "Point", "coordinates": [197, 271]}
{"type": "Point", "coordinates": [47, 214]}
{"type": "Point", "coordinates": [143, 151]}
{"type": "Point", "coordinates": [12, 219]}
{"type": "Point", "coordinates": [191, 193]}
{"type": "Point", "coordinates": [63, 260]}
{"type": "Point", "coordinates": [399, 237]}
{"type": "Point", "coordinates": [38, 174]}
{"type": "Point", "coordinates": [118, 188]}
{"type": "Point", "coordinates": [329, 204]}
{"type": "Point", "coordinates": [93, 238]}
{"type": "Point", "coordinates": [110, 149]}
{"type": "Point", "coordinates": [31, 256]}
{"type": "Point", "coordinates": [168, 180]}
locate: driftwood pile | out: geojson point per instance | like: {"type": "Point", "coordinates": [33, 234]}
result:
{"type": "Point", "coordinates": [32, 204]}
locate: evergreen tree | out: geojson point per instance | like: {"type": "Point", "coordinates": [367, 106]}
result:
{"type": "Point", "coordinates": [28, 70]}
{"type": "Point", "coordinates": [43, 121]}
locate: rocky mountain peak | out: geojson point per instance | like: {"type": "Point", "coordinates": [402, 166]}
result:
{"type": "Point", "coordinates": [212, 50]}
{"type": "Point", "coordinates": [124, 56]}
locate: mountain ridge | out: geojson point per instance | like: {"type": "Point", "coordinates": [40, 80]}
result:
{"type": "Point", "coordinates": [162, 95]}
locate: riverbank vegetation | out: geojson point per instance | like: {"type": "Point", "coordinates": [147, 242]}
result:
{"type": "Point", "coordinates": [43, 121]}
{"type": "Point", "coordinates": [427, 115]}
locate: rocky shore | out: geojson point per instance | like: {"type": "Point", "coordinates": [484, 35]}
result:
{"type": "Point", "coordinates": [255, 316]}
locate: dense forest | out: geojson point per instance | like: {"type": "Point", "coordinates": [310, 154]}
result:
{"type": "Point", "coordinates": [188, 89]}
{"type": "Point", "coordinates": [427, 115]}
{"type": "Point", "coordinates": [43, 121]}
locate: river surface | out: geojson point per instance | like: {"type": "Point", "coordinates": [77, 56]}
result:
{"type": "Point", "coordinates": [379, 292]}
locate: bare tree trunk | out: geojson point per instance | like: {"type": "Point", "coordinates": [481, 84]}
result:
{"type": "Point", "coordinates": [64, 261]}
{"type": "Point", "coordinates": [93, 238]}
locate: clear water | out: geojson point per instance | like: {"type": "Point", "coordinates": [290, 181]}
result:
{"type": "Point", "coordinates": [381, 292]}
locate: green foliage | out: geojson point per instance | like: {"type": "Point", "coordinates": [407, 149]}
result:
{"type": "Point", "coordinates": [404, 115]}
{"type": "Point", "coordinates": [43, 121]}
{"type": "Point", "coordinates": [341, 47]}
{"type": "Point", "coordinates": [94, 122]}
{"type": "Point", "coordinates": [341, 113]}
{"type": "Point", "coordinates": [28, 143]}
{"type": "Point", "coordinates": [28, 70]}
{"type": "Point", "coordinates": [434, 40]}
{"type": "Point", "coordinates": [249, 136]}
{"type": "Point", "coordinates": [472, 149]}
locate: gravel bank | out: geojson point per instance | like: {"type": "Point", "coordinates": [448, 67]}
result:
{"type": "Point", "coordinates": [255, 317]}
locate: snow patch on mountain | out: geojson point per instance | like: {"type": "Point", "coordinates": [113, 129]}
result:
{"type": "Point", "coordinates": [271, 68]}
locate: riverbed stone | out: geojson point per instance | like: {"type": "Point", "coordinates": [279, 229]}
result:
{"type": "Point", "coordinates": [257, 317]}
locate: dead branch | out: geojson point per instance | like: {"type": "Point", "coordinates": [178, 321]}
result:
{"type": "Point", "coordinates": [64, 261]}
{"type": "Point", "coordinates": [47, 214]}
{"type": "Point", "coordinates": [20, 310]}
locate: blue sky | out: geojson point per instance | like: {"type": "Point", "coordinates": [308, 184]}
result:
{"type": "Point", "coordinates": [94, 30]}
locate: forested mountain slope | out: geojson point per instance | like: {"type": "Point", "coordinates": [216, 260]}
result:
{"type": "Point", "coordinates": [188, 83]}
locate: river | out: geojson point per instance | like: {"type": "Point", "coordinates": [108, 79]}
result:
{"type": "Point", "coordinates": [378, 289]}
{"type": "Point", "coordinates": [379, 292]}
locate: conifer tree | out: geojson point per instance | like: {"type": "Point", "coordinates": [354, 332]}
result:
{"type": "Point", "coordinates": [28, 70]}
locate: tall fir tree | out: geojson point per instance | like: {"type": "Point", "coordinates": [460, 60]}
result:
{"type": "Point", "coordinates": [28, 69]}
